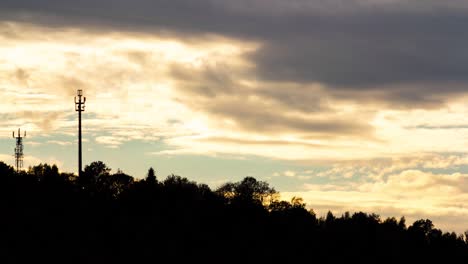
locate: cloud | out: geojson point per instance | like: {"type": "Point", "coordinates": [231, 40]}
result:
{"type": "Point", "coordinates": [40, 76]}
{"type": "Point", "coordinates": [257, 116]}
{"type": "Point", "coordinates": [44, 121]}
{"type": "Point", "coordinates": [225, 92]}
{"type": "Point", "coordinates": [111, 142]}
{"type": "Point", "coordinates": [58, 142]}
{"type": "Point", "coordinates": [300, 175]}
{"type": "Point", "coordinates": [381, 168]}
{"type": "Point", "coordinates": [397, 52]}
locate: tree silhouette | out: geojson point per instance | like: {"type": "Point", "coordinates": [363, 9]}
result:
{"type": "Point", "coordinates": [42, 171]}
{"type": "Point", "coordinates": [422, 227]}
{"type": "Point", "coordinates": [151, 176]}
{"type": "Point", "coordinates": [402, 223]}
{"type": "Point", "coordinates": [52, 216]}
{"type": "Point", "coordinates": [249, 190]}
{"type": "Point", "coordinates": [93, 172]}
{"type": "Point", "coordinates": [6, 170]}
{"type": "Point", "coordinates": [114, 184]}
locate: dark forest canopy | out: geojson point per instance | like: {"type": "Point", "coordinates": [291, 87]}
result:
{"type": "Point", "coordinates": [106, 217]}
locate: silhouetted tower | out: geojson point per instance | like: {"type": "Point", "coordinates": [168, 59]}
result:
{"type": "Point", "coordinates": [19, 150]}
{"type": "Point", "coordinates": [79, 107]}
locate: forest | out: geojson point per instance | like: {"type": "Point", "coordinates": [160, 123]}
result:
{"type": "Point", "coordinates": [101, 217]}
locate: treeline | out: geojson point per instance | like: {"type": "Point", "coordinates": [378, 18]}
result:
{"type": "Point", "coordinates": [47, 216]}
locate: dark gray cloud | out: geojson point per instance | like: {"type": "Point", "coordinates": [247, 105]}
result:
{"type": "Point", "coordinates": [207, 81]}
{"type": "Point", "coordinates": [271, 109]}
{"type": "Point", "coordinates": [255, 116]}
{"type": "Point", "coordinates": [390, 50]}
{"type": "Point", "coordinates": [370, 50]}
{"type": "Point", "coordinates": [221, 80]}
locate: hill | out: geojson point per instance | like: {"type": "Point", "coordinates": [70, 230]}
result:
{"type": "Point", "coordinates": [113, 218]}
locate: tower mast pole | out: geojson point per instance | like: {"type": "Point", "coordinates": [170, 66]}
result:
{"type": "Point", "coordinates": [79, 107]}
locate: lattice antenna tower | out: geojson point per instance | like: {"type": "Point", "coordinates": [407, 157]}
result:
{"type": "Point", "coordinates": [79, 107]}
{"type": "Point", "coordinates": [19, 149]}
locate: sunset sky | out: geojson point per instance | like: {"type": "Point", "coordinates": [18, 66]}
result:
{"type": "Point", "coordinates": [352, 105]}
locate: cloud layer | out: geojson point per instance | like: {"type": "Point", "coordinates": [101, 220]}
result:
{"type": "Point", "coordinates": [398, 52]}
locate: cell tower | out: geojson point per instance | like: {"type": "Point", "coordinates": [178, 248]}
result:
{"type": "Point", "coordinates": [79, 107]}
{"type": "Point", "coordinates": [19, 150]}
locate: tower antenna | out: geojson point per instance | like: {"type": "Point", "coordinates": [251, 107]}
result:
{"type": "Point", "coordinates": [19, 150]}
{"type": "Point", "coordinates": [79, 107]}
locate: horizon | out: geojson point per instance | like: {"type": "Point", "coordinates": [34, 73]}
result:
{"type": "Point", "coordinates": [352, 106]}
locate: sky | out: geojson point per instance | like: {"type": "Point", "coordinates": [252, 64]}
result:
{"type": "Point", "coordinates": [352, 105]}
